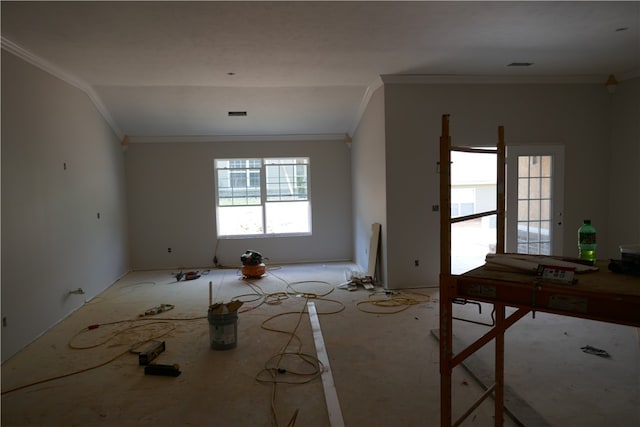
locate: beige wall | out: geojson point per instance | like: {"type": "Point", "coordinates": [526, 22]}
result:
{"type": "Point", "coordinates": [624, 171]}
{"type": "Point", "coordinates": [574, 115]}
{"type": "Point", "coordinates": [369, 182]}
{"type": "Point", "coordinates": [52, 239]}
{"type": "Point", "coordinates": [171, 199]}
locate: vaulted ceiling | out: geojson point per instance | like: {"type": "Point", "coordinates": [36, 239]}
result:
{"type": "Point", "coordinates": [169, 69]}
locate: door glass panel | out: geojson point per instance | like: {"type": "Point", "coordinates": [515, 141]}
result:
{"type": "Point", "coordinates": [534, 205]}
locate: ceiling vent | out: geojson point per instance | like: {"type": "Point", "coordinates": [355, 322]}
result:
{"type": "Point", "coordinates": [520, 64]}
{"type": "Point", "coordinates": [237, 113]}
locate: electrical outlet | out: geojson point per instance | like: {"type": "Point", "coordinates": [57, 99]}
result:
{"type": "Point", "coordinates": [169, 250]}
{"type": "Point", "coordinates": [416, 262]}
{"type": "Point", "coordinates": [435, 208]}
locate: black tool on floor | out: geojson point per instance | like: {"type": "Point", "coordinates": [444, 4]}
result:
{"type": "Point", "coordinates": [164, 370]}
{"type": "Point", "coordinates": [189, 275]}
{"type": "Point", "coordinates": [151, 352]}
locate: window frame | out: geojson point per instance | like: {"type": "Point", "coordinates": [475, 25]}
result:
{"type": "Point", "coordinates": [265, 195]}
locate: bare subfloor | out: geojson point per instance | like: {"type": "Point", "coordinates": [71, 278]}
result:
{"type": "Point", "coordinates": [384, 366]}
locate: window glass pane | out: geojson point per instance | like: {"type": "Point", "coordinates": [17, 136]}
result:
{"type": "Point", "coordinates": [534, 188]}
{"type": "Point", "coordinates": [239, 220]}
{"type": "Point", "coordinates": [545, 210]}
{"type": "Point", "coordinates": [545, 248]}
{"type": "Point", "coordinates": [289, 217]}
{"type": "Point", "coordinates": [473, 182]}
{"type": "Point", "coordinates": [462, 201]}
{"type": "Point", "coordinates": [467, 208]}
{"type": "Point", "coordinates": [533, 231]}
{"type": "Point", "coordinates": [545, 188]}
{"type": "Point", "coordinates": [534, 166]}
{"type": "Point", "coordinates": [523, 210]}
{"type": "Point", "coordinates": [534, 210]}
{"type": "Point", "coordinates": [286, 182]}
{"type": "Point", "coordinates": [523, 232]}
{"type": "Point", "coordinates": [238, 179]}
{"type": "Point", "coordinates": [233, 188]}
{"type": "Point", "coordinates": [471, 241]}
{"type": "Point", "coordinates": [546, 166]}
{"type": "Point", "coordinates": [523, 166]}
{"type": "Point", "coordinates": [254, 178]}
{"type": "Point", "coordinates": [523, 188]}
{"type": "Point", "coordinates": [545, 227]}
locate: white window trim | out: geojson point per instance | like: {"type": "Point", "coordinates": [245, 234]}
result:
{"type": "Point", "coordinates": [263, 200]}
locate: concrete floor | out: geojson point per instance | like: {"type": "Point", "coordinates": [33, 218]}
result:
{"type": "Point", "coordinates": [384, 366]}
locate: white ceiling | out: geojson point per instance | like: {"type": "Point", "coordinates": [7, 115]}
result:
{"type": "Point", "coordinates": [303, 68]}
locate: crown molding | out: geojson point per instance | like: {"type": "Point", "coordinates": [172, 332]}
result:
{"type": "Point", "coordinates": [236, 138]}
{"type": "Point", "coordinates": [487, 79]}
{"type": "Point", "coordinates": [373, 86]}
{"type": "Point", "coordinates": [68, 78]}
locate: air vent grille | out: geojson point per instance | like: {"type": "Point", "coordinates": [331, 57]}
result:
{"type": "Point", "coordinates": [520, 64]}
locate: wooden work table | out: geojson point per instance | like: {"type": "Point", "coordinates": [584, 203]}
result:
{"type": "Point", "coordinates": [598, 295]}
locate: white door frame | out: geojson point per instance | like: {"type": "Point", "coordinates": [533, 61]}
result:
{"type": "Point", "coordinates": [557, 195]}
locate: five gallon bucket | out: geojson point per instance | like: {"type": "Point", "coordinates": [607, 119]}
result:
{"type": "Point", "coordinates": [223, 330]}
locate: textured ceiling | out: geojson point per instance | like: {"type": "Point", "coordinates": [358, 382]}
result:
{"type": "Point", "coordinates": [176, 68]}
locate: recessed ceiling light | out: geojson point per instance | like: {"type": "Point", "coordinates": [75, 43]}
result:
{"type": "Point", "coordinates": [237, 113]}
{"type": "Point", "coordinates": [520, 64]}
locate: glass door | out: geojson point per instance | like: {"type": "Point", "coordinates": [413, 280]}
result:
{"type": "Point", "coordinates": [535, 199]}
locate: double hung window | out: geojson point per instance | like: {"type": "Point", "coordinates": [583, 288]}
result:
{"type": "Point", "coordinates": [257, 197]}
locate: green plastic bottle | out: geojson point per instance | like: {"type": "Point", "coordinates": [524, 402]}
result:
{"type": "Point", "coordinates": [587, 242]}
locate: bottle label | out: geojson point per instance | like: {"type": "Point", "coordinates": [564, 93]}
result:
{"type": "Point", "coordinates": [588, 238]}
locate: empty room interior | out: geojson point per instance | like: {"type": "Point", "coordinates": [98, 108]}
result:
{"type": "Point", "coordinates": [320, 213]}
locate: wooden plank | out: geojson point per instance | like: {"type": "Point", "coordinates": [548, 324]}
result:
{"type": "Point", "coordinates": [330, 393]}
{"type": "Point", "coordinates": [446, 285]}
{"type": "Point", "coordinates": [501, 192]}
{"type": "Point", "coordinates": [499, 365]}
{"type": "Point", "coordinates": [374, 245]}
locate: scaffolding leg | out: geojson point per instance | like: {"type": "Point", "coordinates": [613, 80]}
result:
{"type": "Point", "coordinates": [499, 366]}
{"type": "Point", "coordinates": [446, 354]}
